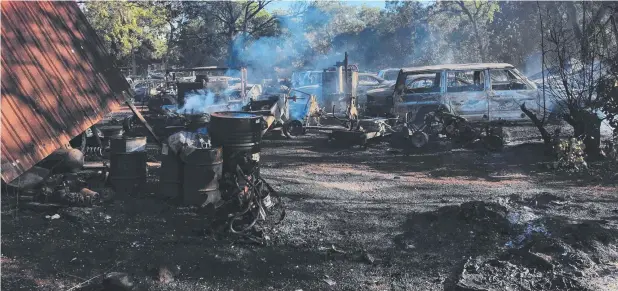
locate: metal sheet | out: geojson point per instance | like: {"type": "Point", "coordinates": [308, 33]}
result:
{"type": "Point", "coordinates": [57, 80]}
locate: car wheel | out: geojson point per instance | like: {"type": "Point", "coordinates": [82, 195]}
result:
{"type": "Point", "coordinates": [419, 139]}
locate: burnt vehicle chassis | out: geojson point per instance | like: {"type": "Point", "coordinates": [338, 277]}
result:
{"type": "Point", "coordinates": [455, 128]}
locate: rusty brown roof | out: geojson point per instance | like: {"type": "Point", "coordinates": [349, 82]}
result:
{"type": "Point", "coordinates": [57, 80]}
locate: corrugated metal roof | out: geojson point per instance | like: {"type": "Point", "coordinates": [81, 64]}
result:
{"type": "Point", "coordinates": [57, 80]}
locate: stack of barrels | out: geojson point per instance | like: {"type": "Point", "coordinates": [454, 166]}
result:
{"type": "Point", "coordinates": [192, 177]}
{"type": "Point", "coordinates": [235, 137]}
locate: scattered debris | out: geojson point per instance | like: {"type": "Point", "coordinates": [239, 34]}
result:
{"type": "Point", "coordinates": [118, 281]}
{"type": "Point", "coordinates": [369, 258]}
{"type": "Point", "coordinates": [330, 282]}
{"type": "Point", "coordinates": [544, 200]}
{"type": "Point", "coordinates": [53, 217]}
{"type": "Point", "coordinates": [332, 249]}
{"type": "Point", "coordinates": [165, 275]}
{"type": "Point", "coordinates": [42, 207]}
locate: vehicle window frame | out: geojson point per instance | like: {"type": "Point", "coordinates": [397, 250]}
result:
{"type": "Point", "coordinates": [513, 76]}
{"type": "Point", "coordinates": [424, 79]}
{"type": "Point", "coordinates": [409, 91]}
{"type": "Point", "coordinates": [387, 74]}
{"type": "Point", "coordinates": [484, 79]}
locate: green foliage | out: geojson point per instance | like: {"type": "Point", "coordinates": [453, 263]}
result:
{"type": "Point", "coordinates": [126, 25]}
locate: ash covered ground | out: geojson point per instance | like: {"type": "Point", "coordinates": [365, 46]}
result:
{"type": "Point", "coordinates": [375, 219]}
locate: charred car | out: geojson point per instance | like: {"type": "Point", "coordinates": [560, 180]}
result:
{"type": "Point", "coordinates": [367, 82]}
{"type": "Point", "coordinates": [389, 74]}
{"type": "Point", "coordinates": [486, 92]}
{"type": "Point", "coordinates": [379, 101]}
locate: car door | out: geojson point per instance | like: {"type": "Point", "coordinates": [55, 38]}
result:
{"type": "Point", "coordinates": [415, 91]}
{"type": "Point", "coordinates": [508, 90]}
{"type": "Point", "coordinates": [466, 93]}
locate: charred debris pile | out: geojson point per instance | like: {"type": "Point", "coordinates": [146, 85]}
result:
{"type": "Point", "coordinates": [511, 244]}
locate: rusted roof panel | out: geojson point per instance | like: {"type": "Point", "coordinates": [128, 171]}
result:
{"type": "Point", "coordinates": [57, 80]}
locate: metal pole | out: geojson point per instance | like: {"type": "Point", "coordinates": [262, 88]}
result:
{"type": "Point", "coordinates": [345, 75]}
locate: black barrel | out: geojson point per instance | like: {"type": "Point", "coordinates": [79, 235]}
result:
{"type": "Point", "coordinates": [201, 173]}
{"type": "Point", "coordinates": [240, 135]}
{"type": "Point", "coordinates": [125, 144]}
{"type": "Point", "coordinates": [170, 174]}
{"type": "Point", "coordinates": [111, 131]}
{"type": "Point", "coordinates": [128, 172]}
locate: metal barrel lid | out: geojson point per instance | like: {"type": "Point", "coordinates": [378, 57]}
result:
{"type": "Point", "coordinates": [235, 115]}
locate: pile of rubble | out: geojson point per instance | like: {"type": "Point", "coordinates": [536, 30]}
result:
{"type": "Point", "coordinates": [511, 246]}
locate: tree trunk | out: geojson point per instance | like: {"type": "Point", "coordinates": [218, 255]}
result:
{"type": "Point", "coordinates": [587, 125]}
{"type": "Point", "coordinates": [133, 64]}
{"type": "Point", "coordinates": [477, 35]}
{"type": "Point", "coordinates": [479, 41]}
{"type": "Point", "coordinates": [170, 41]}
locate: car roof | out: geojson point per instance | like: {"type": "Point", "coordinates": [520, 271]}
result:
{"type": "Point", "coordinates": [390, 69]}
{"type": "Point", "coordinates": [476, 66]}
{"type": "Point", "coordinates": [371, 74]}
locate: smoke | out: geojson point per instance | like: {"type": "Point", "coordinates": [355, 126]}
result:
{"type": "Point", "coordinates": [207, 101]}
{"type": "Point", "coordinates": [302, 45]}
{"type": "Point", "coordinates": [533, 64]}
{"type": "Point", "coordinates": [298, 109]}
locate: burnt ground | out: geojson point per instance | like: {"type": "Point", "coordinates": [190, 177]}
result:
{"type": "Point", "coordinates": [378, 219]}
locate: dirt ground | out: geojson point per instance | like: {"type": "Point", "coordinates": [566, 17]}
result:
{"type": "Point", "coordinates": [375, 219]}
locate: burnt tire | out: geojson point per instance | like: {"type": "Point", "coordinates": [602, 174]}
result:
{"type": "Point", "coordinates": [419, 139]}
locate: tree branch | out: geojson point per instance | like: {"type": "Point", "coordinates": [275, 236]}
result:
{"type": "Point", "coordinates": [262, 26]}
{"type": "Point", "coordinates": [547, 140]}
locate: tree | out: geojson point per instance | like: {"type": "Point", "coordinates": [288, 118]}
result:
{"type": "Point", "coordinates": [510, 39]}
{"type": "Point", "coordinates": [175, 17]}
{"type": "Point", "coordinates": [126, 25]}
{"type": "Point", "coordinates": [580, 47]}
{"type": "Point", "coordinates": [245, 18]}
{"type": "Point", "coordinates": [478, 14]}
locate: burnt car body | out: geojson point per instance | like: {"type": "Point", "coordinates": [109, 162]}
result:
{"type": "Point", "coordinates": [379, 101]}
{"type": "Point", "coordinates": [485, 92]}
{"type": "Point", "coordinates": [367, 82]}
{"type": "Point", "coordinates": [389, 74]}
